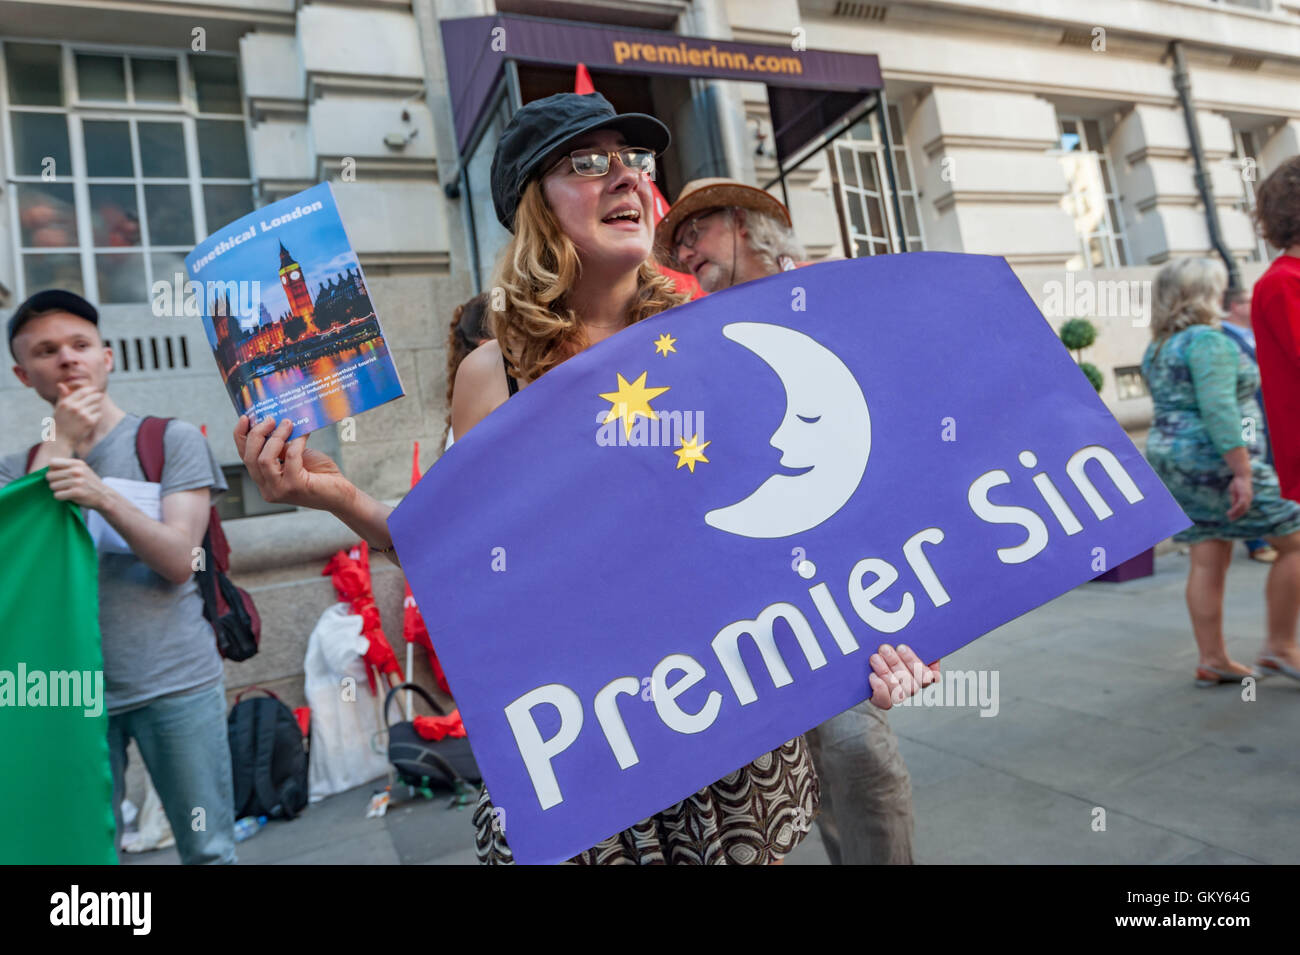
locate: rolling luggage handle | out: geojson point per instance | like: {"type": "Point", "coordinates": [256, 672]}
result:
{"type": "Point", "coordinates": [424, 694]}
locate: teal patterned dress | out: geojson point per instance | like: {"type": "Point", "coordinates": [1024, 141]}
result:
{"type": "Point", "coordinates": [1204, 387]}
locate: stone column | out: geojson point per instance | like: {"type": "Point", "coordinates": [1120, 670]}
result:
{"type": "Point", "coordinates": [988, 184]}
{"type": "Point", "coordinates": [1156, 178]}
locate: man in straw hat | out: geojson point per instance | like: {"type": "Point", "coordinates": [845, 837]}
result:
{"type": "Point", "coordinates": [724, 232]}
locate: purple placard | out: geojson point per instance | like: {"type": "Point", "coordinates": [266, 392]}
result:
{"type": "Point", "coordinates": [905, 414]}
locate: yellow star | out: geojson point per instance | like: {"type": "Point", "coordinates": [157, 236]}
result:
{"type": "Point", "coordinates": [631, 400]}
{"type": "Point", "coordinates": [691, 453]}
{"type": "Point", "coordinates": [664, 344]}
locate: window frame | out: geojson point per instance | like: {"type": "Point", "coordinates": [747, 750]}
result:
{"type": "Point", "coordinates": [1130, 384]}
{"type": "Point", "coordinates": [1114, 239]}
{"type": "Point", "coordinates": [1240, 154]}
{"type": "Point", "coordinates": [76, 111]}
{"type": "Point", "coordinates": [898, 237]}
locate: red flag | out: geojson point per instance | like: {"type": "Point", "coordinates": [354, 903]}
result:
{"type": "Point", "coordinates": [436, 727]}
{"type": "Point", "coordinates": [658, 204]}
{"type": "Point", "coordinates": [685, 283]}
{"type": "Point", "coordinates": [350, 573]}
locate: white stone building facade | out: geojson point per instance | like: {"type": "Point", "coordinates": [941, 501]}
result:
{"type": "Point", "coordinates": [1049, 132]}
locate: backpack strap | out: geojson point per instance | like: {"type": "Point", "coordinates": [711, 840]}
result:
{"type": "Point", "coordinates": [241, 740]}
{"type": "Point", "coordinates": [149, 447]}
{"type": "Point", "coordinates": [253, 686]}
{"type": "Point", "coordinates": [151, 452]}
{"type": "Point", "coordinates": [263, 752]}
{"type": "Point", "coordinates": [31, 456]}
{"type": "Point", "coordinates": [1239, 340]}
{"type": "Point", "coordinates": [208, 592]}
{"type": "Point", "coordinates": [215, 543]}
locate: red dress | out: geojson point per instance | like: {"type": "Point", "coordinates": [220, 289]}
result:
{"type": "Point", "coordinates": [1275, 315]}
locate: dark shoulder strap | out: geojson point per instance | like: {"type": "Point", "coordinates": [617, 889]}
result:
{"type": "Point", "coordinates": [512, 385]}
{"type": "Point", "coordinates": [264, 721]}
{"type": "Point", "coordinates": [151, 451]}
{"type": "Point", "coordinates": [149, 447]}
{"type": "Point", "coordinates": [242, 727]}
{"type": "Point", "coordinates": [31, 456]}
{"type": "Point", "coordinates": [1239, 340]}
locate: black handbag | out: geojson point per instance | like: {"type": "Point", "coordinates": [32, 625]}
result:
{"type": "Point", "coordinates": [447, 763]}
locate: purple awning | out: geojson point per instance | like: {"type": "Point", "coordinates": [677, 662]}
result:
{"type": "Point", "coordinates": [807, 90]}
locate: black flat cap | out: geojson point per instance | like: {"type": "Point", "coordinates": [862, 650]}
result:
{"type": "Point", "coordinates": [541, 127]}
{"type": "Point", "coordinates": [50, 300]}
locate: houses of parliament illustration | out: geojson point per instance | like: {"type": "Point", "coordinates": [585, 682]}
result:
{"type": "Point", "coordinates": [340, 317]}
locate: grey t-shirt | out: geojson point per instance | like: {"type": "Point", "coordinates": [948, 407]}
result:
{"type": "Point", "coordinates": [155, 639]}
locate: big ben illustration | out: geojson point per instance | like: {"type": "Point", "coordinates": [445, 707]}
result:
{"type": "Point", "coordinates": [295, 289]}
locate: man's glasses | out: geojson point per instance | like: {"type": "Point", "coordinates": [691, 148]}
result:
{"type": "Point", "coordinates": [689, 233]}
{"type": "Point", "coordinates": [595, 162]}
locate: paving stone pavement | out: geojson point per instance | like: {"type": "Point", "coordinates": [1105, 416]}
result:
{"type": "Point", "coordinates": [1096, 712]}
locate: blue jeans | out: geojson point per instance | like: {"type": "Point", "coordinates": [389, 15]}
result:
{"type": "Point", "coordinates": [186, 749]}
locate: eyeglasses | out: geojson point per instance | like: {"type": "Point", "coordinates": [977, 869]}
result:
{"type": "Point", "coordinates": [595, 162]}
{"type": "Point", "coordinates": [689, 233]}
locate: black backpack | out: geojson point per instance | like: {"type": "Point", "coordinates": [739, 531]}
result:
{"type": "Point", "coordinates": [268, 758]}
{"type": "Point", "coordinates": [447, 763]}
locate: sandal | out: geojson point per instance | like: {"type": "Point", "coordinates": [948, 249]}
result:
{"type": "Point", "coordinates": [1270, 664]}
{"type": "Point", "coordinates": [1213, 676]}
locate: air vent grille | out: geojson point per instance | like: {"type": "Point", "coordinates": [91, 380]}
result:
{"type": "Point", "coordinates": [860, 11]}
{"type": "Point", "coordinates": [152, 353]}
{"type": "Point", "coordinates": [1076, 36]}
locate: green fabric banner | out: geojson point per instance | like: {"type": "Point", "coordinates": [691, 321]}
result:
{"type": "Point", "coordinates": [56, 792]}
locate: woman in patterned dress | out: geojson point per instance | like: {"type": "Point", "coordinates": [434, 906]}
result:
{"type": "Point", "coordinates": [571, 182]}
{"type": "Point", "coordinates": [1202, 445]}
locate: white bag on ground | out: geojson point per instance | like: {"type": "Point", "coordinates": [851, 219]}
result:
{"type": "Point", "coordinates": [344, 717]}
{"type": "Point", "coordinates": [153, 830]}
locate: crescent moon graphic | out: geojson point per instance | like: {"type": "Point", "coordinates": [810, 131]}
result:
{"type": "Point", "coordinates": [826, 433]}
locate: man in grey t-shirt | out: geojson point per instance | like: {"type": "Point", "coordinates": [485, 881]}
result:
{"type": "Point", "coordinates": [162, 673]}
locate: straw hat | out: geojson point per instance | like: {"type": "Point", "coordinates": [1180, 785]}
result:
{"type": "Point", "coordinates": [700, 194]}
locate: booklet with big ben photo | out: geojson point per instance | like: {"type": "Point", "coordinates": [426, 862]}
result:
{"type": "Point", "coordinates": [289, 317]}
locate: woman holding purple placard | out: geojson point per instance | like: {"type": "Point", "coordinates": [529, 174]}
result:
{"type": "Point", "coordinates": [571, 181]}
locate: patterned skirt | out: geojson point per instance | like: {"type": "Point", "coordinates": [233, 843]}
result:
{"type": "Point", "coordinates": [753, 816]}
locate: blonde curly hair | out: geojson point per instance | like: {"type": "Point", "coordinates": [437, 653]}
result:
{"type": "Point", "coordinates": [1187, 292]}
{"type": "Point", "coordinates": [536, 329]}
